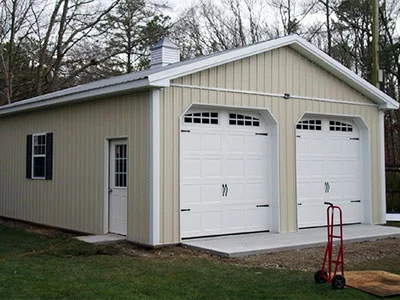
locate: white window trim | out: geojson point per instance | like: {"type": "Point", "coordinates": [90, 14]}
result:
{"type": "Point", "coordinates": [38, 155]}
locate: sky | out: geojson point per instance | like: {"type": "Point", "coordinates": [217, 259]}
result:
{"type": "Point", "coordinates": [177, 6]}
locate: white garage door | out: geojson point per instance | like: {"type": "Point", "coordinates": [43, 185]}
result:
{"type": "Point", "coordinates": [328, 154]}
{"type": "Point", "coordinates": [225, 173]}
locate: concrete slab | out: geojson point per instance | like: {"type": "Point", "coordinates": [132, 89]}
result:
{"type": "Point", "coordinates": [102, 239]}
{"type": "Point", "coordinates": [259, 243]}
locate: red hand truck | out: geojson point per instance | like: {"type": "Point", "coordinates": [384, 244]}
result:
{"type": "Point", "coordinates": [321, 276]}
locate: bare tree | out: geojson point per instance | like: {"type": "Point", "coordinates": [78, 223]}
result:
{"type": "Point", "coordinates": [71, 24]}
{"type": "Point", "coordinates": [14, 29]}
{"type": "Point", "coordinates": [209, 26]}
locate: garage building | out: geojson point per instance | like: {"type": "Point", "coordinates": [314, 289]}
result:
{"type": "Point", "coordinates": [252, 139]}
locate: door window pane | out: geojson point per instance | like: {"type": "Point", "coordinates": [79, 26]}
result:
{"type": "Point", "coordinates": [121, 160]}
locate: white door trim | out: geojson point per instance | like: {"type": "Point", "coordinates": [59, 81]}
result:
{"type": "Point", "coordinates": [271, 121]}
{"type": "Point", "coordinates": [106, 170]}
{"type": "Point", "coordinates": [364, 132]}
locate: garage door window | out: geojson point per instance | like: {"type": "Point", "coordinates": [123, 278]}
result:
{"type": "Point", "coordinates": [339, 126]}
{"type": "Point", "coordinates": [202, 118]}
{"type": "Point", "coordinates": [309, 125]}
{"type": "Point", "coordinates": [243, 120]}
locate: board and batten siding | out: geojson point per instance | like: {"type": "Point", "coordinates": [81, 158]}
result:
{"type": "Point", "coordinates": [74, 198]}
{"type": "Point", "coordinates": [278, 71]}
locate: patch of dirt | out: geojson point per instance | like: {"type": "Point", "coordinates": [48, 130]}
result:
{"type": "Point", "coordinates": [309, 259]}
{"type": "Point", "coordinates": [37, 229]}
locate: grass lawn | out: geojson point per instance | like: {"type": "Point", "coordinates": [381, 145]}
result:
{"type": "Point", "coordinates": [74, 270]}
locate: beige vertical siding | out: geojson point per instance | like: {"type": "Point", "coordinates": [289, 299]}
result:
{"type": "Point", "coordinates": [74, 199]}
{"type": "Point", "coordinates": [279, 71]}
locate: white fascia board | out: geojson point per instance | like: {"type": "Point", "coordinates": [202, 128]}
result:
{"type": "Point", "coordinates": [63, 97]}
{"type": "Point", "coordinates": [331, 65]}
{"type": "Point", "coordinates": [223, 58]}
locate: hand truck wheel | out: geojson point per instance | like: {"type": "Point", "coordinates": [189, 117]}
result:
{"type": "Point", "coordinates": [338, 282]}
{"type": "Point", "coordinates": [320, 277]}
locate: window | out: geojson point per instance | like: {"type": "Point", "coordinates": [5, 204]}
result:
{"type": "Point", "coordinates": [202, 118]}
{"type": "Point", "coordinates": [339, 126]}
{"type": "Point", "coordinates": [120, 165]}
{"type": "Point", "coordinates": [39, 156]}
{"type": "Point", "coordinates": [242, 120]}
{"type": "Point", "coordinates": [309, 125]}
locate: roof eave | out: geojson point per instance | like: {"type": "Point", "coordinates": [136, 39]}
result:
{"type": "Point", "coordinates": [47, 100]}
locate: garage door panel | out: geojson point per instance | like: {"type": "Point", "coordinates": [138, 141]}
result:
{"type": "Point", "coordinates": [257, 168]}
{"type": "Point", "coordinates": [247, 218]}
{"type": "Point", "coordinates": [211, 143]}
{"type": "Point", "coordinates": [235, 144]}
{"type": "Point", "coordinates": [334, 167]}
{"type": "Point", "coordinates": [211, 193]}
{"type": "Point", "coordinates": [333, 146]}
{"type": "Point", "coordinates": [191, 168]}
{"type": "Point", "coordinates": [328, 169]}
{"type": "Point", "coordinates": [191, 194]}
{"type": "Point", "coordinates": [236, 193]}
{"type": "Point", "coordinates": [310, 168]}
{"type": "Point", "coordinates": [191, 223]}
{"type": "Point", "coordinates": [192, 142]}
{"type": "Point", "coordinates": [235, 168]}
{"type": "Point", "coordinates": [256, 192]}
{"type": "Point", "coordinates": [212, 221]}
{"type": "Point", "coordinates": [352, 212]}
{"type": "Point", "coordinates": [351, 145]}
{"type": "Point", "coordinates": [256, 144]}
{"type": "Point", "coordinates": [211, 168]}
{"type": "Point", "coordinates": [308, 145]}
{"type": "Point", "coordinates": [232, 169]}
{"type": "Point", "coordinates": [311, 216]}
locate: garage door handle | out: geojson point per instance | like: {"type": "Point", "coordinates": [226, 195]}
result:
{"type": "Point", "coordinates": [326, 187]}
{"type": "Point", "coordinates": [223, 190]}
{"type": "Point", "coordinates": [329, 187]}
{"type": "Point", "coordinates": [263, 205]}
{"type": "Point", "coordinates": [227, 190]}
{"type": "Point", "coordinates": [355, 201]}
{"type": "Point", "coordinates": [185, 209]}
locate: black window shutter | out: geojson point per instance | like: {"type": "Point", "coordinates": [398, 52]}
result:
{"type": "Point", "coordinates": [49, 156]}
{"type": "Point", "coordinates": [29, 156]}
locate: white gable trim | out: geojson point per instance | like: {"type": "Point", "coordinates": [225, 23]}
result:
{"type": "Point", "coordinates": [299, 45]}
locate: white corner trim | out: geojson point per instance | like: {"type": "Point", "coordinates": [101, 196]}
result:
{"type": "Point", "coordinates": [214, 89]}
{"type": "Point", "coordinates": [382, 165]}
{"type": "Point", "coordinates": [154, 167]}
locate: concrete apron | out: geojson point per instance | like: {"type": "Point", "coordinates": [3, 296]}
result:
{"type": "Point", "coordinates": [259, 243]}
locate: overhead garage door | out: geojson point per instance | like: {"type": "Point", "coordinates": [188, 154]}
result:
{"type": "Point", "coordinates": [328, 153]}
{"type": "Point", "coordinates": [225, 173]}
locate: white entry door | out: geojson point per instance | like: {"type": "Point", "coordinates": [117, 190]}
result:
{"type": "Point", "coordinates": [328, 154]}
{"type": "Point", "coordinates": [118, 187]}
{"type": "Point", "coordinates": [225, 174]}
